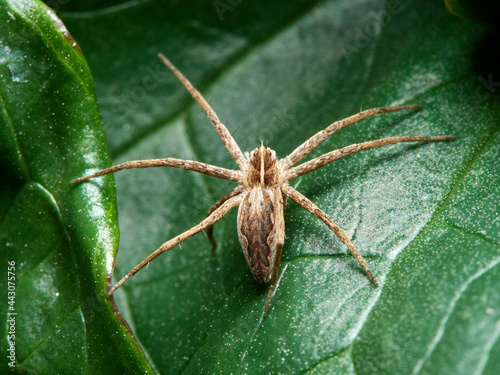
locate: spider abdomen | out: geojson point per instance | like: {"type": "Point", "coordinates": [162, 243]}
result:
{"type": "Point", "coordinates": [261, 230]}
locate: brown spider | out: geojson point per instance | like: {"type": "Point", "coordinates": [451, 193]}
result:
{"type": "Point", "coordinates": [262, 190]}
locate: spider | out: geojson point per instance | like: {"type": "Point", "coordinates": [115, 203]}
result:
{"type": "Point", "coordinates": [262, 191]}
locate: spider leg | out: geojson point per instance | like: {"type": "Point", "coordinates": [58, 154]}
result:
{"type": "Point", "coordinates": [272, 284]}
{"type": "Point", "coordinates": [209, 231]}
{"type": "Point", "coordinates": [216, 215]}
{"type": "Point", "coordinates": [305, 148]}
{"type": "Point", "coordinates": [327, 158]}
{"type": "Point", "coordinates": [305, 203]}
{"type": "Point", "coordinates": [221, 129]}
{"type": "Point", "coordinates": [211, 170]}
{"type": "Point", "coordinates": [280, 240]}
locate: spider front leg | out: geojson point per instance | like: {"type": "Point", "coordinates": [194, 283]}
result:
{"type": "Point", "coordinates": [305, 148]}
{"type": "Point", "coordinates": [224, 134]}
{"type": "Point", "coordinates": [331, 156]}
{"type": "Point", "coordinates": [308, 205]}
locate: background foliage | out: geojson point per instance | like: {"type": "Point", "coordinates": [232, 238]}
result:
{"type": "Point", "coordinates": [425, 216]}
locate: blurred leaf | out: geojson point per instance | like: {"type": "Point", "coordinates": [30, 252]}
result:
{"type": "Point", "coordinates": [423, 215]}
{"type": "Point", "coordinates": [486, 10]}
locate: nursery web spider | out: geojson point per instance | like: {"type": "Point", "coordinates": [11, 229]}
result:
{"type": "Point", "coordinates": [262, 189]}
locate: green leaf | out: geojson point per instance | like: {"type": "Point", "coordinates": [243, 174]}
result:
{"type": "Point", "coordinates": [57, 241]}
{"type": "Point", "coordinates": [424, 216]}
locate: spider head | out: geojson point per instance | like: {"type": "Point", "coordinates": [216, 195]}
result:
{"type": "Point", "coordinates": [262, 169]}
